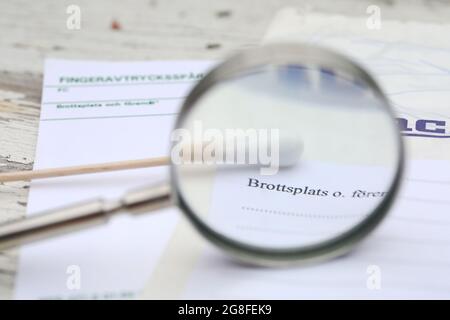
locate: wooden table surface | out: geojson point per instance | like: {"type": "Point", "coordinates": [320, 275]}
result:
{"type": "Point", "coordinates": [30, 31]}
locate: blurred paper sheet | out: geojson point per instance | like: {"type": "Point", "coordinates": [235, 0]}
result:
{"type": "Point", "coordinates": [94, 112]}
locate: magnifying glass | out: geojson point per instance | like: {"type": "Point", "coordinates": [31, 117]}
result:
{"type": "Point", "coordinates": [282, 153]}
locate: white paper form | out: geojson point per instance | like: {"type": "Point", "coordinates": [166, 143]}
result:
{"type": "Point", "coordinates": [95, 112]}
{"type": "Point", "coordinates": [408, 256]}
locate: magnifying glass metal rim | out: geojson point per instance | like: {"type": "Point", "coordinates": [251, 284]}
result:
{"type": "Point", "coordinates": [98, 211]}
{"type": "Point", "coordinates": [282, 54]}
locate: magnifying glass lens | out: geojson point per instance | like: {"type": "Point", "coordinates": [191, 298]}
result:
{"type": "Point", "coordinates": [286, 159]}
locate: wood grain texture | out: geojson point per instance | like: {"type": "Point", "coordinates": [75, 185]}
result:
{"type": "Point", "coordinates": [30, 31]}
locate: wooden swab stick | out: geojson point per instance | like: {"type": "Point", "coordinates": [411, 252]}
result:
{"type": "Point", "coordinates": [290, 150]}
{"type": "Point", "coordinates": [83, 169]}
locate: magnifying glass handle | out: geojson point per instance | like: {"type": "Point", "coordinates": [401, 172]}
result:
{"type": "Point", "coordinates": [80, 216]}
